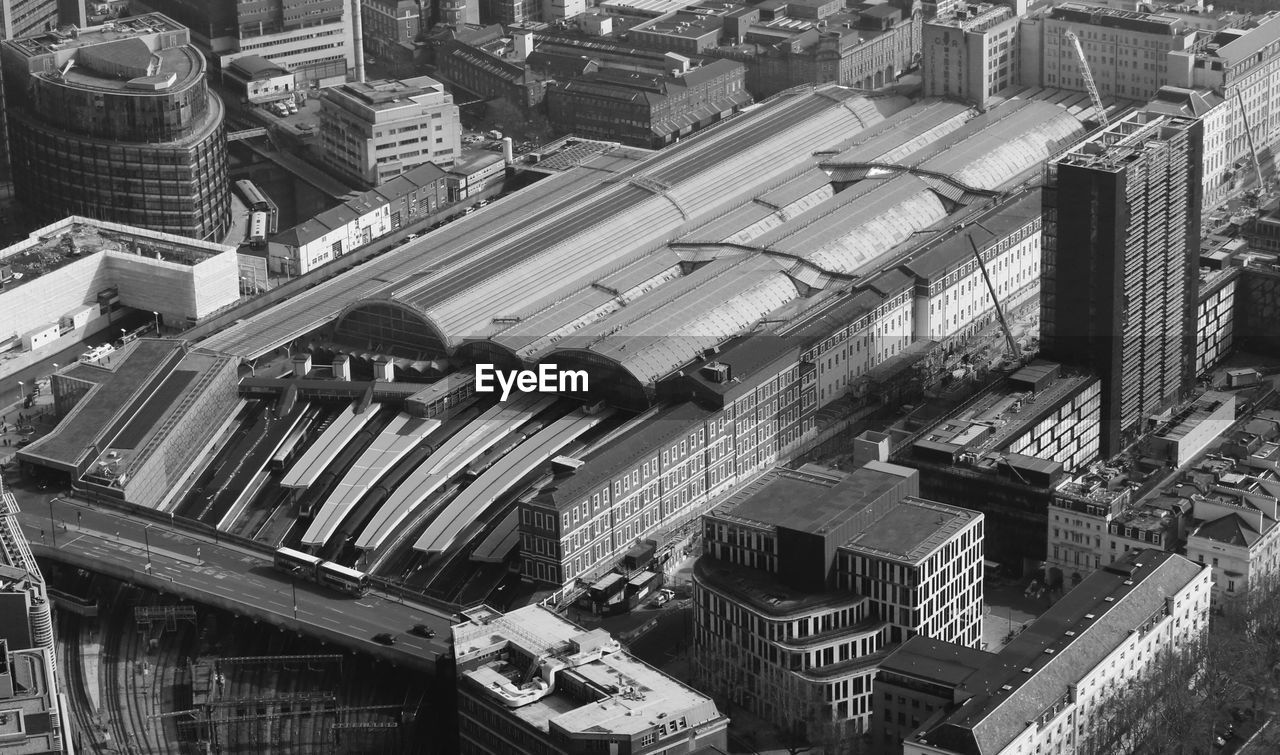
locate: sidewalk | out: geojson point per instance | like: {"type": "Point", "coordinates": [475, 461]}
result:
{"type": "Point", "coordinates": [14, 418]}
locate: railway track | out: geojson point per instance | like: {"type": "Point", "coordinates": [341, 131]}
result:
{"type": "Point", "coordinates": [85, 735]}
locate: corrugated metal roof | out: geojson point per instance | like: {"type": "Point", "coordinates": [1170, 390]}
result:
{"type": "Point", "coordinates": [570, 247]}
{"type": "Point", "coordinates": [851, 231]}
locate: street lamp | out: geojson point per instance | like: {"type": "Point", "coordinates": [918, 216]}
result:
{"type": "Point", "coordinates": [53, 527]}
{"type": "Point", "coordinates": [156, 315]}
{"type": "Point", "coordinates": [21, 393]}
{"type": "Point", "coordinates": [147, 541]}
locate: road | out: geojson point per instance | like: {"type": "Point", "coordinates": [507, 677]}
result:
{"type": "Point", "coordinates": [225, 576]}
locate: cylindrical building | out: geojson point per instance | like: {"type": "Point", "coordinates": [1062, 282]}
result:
{"type": "Point", "coordinates": [116, 122]}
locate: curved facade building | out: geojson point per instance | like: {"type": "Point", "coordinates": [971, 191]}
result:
{"type": "Point", "coordinates": [116, 122]}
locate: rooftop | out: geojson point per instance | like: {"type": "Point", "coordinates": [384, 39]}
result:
{"type": "Point", "coordinates": [387, 94]}
{"type": "Point", "coordinates": [999, 415]}
{"type": "Point", "coordinates": [766, 593]}
{"type": "Point", "coordinates": [615, 693]}
{"type": "Point", "coordinates": [1198, 412]}
{"type": "Point", "coordinates": [129, 393]}
{"type": "Point", "coordinates": [912, 530]}
{"type": "Point", "coordinates": [1150, 23]}
{"type": "Point", "coordinates": [1124, 141]}
{"type": "Point", "coordinates": [810, 500]}
{"type": "Point", "coordinates": [74, 238]}
{"type": "Point", "coordinates": [151, 52]}
{"type": "Point", "coordinates": [945, 663]}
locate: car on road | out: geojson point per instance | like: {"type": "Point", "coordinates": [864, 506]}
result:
{"type": "Point", "coordinates": [422, 630]}
{"type": "Point", "coordinates": [385, 638]}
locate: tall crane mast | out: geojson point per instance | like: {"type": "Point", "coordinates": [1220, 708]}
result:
{"type": "Point", "coordinates": [1248, 132]}
{"type": "Point", "coordinates": [1088, 77]}
{"type": "Point", "coordinates": [1010, 341]}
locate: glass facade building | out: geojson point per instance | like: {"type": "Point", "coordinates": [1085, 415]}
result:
{"type": "Point", "coordinates": [118, 124]}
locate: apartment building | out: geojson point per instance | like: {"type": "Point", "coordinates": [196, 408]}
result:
{"type": "Point", "coordinates": [530, 681]}
{"type": "Point", "coordinates": [971, 53]}
{"type": "Point", "coordinates": [1094, 520]}
{"type": "Point", "coordinates": [374, 131]}
{"type": "Point", "coordinates": [808, 576]}
{"type": "Point", "coordinates": [1121, 225]}
{"type": "Point", "coordinates": [1127, 50]}
{"type": "Point", "coordinates": [1044, 690]}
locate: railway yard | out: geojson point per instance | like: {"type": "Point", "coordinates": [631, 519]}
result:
{"type": "Point", "coordinates": [148, 675]}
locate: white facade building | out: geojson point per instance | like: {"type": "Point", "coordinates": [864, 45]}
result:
{"type": "Point", "coordinates": [376, 130]}
{"type": "Point", "coordinates": [971, 54]}
{"type": "Point", "coordinates": [1043, 692]}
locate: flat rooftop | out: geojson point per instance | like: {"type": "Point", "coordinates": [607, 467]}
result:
{"type": "Point", "coordinates": [1124, 141]}
{"type": "Point", "coordinates": [998, 416]}
{"type": "Point", "coordinates": [911, 530]}
{"type": "Point", "coordinates": [811, 500]}
{"type": "Point", "coordinates": [129, 393]}
{"type": "Point", "coordinates": [541, 633]}
{"type": "Point", "coordinates": [75, 238]}
{"type": "Point", "coordinates": [944, 663]}
{"type": "Point", "coordinates": [386, 94]}
{"type": "Point", "coordinates": [766, 593]}
{"type": "Point", "coordinates": [1204, 407]}
{"type": "Point", "coordinates": [131, 54]}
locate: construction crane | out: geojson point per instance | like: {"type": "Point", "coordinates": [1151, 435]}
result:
{"type": "Point", "coordinates": [1015, 353]}
{"type": "Point", "coordinates": [1088, 78]}
{"type": "Point", "coordinates": [1253, 151]}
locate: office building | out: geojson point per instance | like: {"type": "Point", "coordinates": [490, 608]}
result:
{"type": "Point", "coordinates": [1127, 50]}
{"type": "Point", "coordinates": [809, 576]}
{"type": "Point", "coordinates": [530, 681]}
{"type": "Point", "coordinates": [1004, 452]}
{"type": "Point", "coordinates": [374, 131]}
{"type": "Point", "coordinates": [647, 110]}
{"type": "Point", "coordinates": [36, 714]}
{"type": "Point", "coordinates": [117, 123]}
{"type": "Point", "coordinates": [1119, 286]}
{"type": "Point", "coordinates": [1045, 691]}
{"type": "Point", "coordinates": [315, 39]}
{"type": "Point", "coordinates": [971, 54]}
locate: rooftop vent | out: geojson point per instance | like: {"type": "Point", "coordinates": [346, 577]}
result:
{"type": "Point", "coordinates": [1006, 687]}
{"type": "Point", "coordinates": [1026, 669]}
{"type": "Point", "coordinates": [1088, 616]}
{"type": "Point", "coordinates": [1070, 633]}
{"type": "Point", "coordinates": [1049, 651]}
{"type": "Point", "coordinates": [1109, 599]}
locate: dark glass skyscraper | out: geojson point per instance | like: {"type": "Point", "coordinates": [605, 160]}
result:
{"type": "Point", "coordinates": [1121, 243]}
